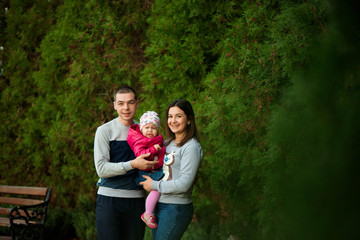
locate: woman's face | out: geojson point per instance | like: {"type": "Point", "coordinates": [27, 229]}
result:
{"type": "Point", "coordinates": [177, 121]}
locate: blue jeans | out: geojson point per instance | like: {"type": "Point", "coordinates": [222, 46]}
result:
{"type": "Point", "coordinates": [173, 220]}
{"type": "Point", "coordinates": [155, 175]}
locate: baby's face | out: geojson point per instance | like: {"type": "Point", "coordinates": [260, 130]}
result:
{"type": "Point", "coordinates": [149, 130]}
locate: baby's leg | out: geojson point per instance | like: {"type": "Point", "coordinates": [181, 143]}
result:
{"type": "Point", "coordinates": [151, 202]}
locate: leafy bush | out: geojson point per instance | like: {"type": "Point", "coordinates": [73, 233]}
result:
{"type": "Point", "coordinates": [59, 224]}
{"type": "Point", "coordinates": [84, 220]}
{"type": "Point", "coordinates": [265, 103]}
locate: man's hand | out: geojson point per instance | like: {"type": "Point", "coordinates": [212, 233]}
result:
{"type": "Point", "coordinates": [141, 163]}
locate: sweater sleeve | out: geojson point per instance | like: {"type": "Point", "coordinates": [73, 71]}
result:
{"type": "Point", "coordinates": [190, 162]}
{"type": "Point", "coordinates": [103, 166]}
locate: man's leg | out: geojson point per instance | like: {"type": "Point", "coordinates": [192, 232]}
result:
{"type": "Point", "coordinates": [135, 226]}
{"type": "Point", "coordinates": [120, 218]}
{"type": "Point", "coordinates": [108, 219]}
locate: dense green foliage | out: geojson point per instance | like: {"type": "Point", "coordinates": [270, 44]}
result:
{"type": "Point", "coordinates": [313, 136]}
{"type": "Point", "coordinates": [274, 85]}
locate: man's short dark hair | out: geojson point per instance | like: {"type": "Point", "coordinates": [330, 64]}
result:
{"type": "Point", "coordinates": [125, 89]}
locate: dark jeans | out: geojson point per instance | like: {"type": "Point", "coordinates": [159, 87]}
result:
{"type": "Point", "coordinates": [173, 220]}
{"type": "Point", "coordinates": [119, 218]}
{"type": "Point", "coordinates": [155, 175]}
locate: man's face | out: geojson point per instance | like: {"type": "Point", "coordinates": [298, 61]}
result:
{"type": "Point", "coordinates": [126, 105]}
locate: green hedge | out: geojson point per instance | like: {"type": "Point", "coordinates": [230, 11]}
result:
{"type": "Point", "coordinates": [273, 84]}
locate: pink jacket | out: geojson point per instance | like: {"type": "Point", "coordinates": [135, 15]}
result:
{"type": "Point", "coordinates": [142, 145]}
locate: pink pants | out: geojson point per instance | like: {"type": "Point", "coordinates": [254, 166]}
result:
{"type": "Point", "coordinates": [151, 202]}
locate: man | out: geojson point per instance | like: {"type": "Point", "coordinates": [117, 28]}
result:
{"type": "Point", "coordinates": [120, 201]}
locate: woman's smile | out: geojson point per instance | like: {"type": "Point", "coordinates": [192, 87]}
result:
{"type": "Point", "coordinates": [177, 121]}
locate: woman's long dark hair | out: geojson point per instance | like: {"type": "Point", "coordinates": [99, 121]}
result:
{"type": "Point", "coordinates": [191, 130]}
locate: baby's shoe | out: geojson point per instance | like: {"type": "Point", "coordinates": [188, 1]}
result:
{"type": "Point", "coordinates": [149, 220]}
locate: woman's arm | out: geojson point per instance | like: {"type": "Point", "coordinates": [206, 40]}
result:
{"type": "Point", "coordinates": [190, 162]}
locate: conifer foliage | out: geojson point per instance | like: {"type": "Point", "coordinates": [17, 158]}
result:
{"type": "Point", "coordinates": [274, 85]}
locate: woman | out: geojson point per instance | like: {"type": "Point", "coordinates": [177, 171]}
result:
{"type": "Point", "coordinates": [175, 209]}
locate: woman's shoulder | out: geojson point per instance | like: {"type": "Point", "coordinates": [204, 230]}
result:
{"type": "Point", "coordinates": [193, 141]}
{"type": "Point", "coordinates": [192, 147]}
{"type": "Point", "coordinates": [192, 144]}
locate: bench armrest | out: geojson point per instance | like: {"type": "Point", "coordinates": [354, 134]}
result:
{"type": "Point", "coordinates": [30, 214]}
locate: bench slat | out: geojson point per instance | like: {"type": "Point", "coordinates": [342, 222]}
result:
{"type": "Point", "coordinates": [4, 211]}
{"type": "Point", "coordinates": [38, 191]}
{"type": "Point", "coordinates": [5, 238]}
{"type": "Point", "coordinates": [19, 201]}
{"type": "Point", "coordinates": [4, 221]}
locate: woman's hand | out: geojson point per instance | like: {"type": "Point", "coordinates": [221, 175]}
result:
{"type": "Point", "coordinates": [147, 183]}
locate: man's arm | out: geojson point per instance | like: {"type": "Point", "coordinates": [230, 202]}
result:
{"type": "Point", "coordinates": [104, 167]}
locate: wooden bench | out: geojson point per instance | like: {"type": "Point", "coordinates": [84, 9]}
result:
{"type": "Point", "coordinates": [24, 210]}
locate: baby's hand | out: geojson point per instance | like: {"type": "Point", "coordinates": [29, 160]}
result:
{"type": "Point", "coordinates": [157, 147]}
